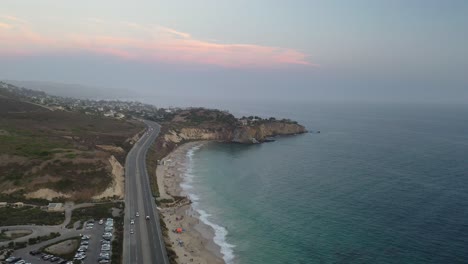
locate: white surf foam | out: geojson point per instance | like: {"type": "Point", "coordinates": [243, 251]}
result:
{"type": "Point", "coordinates": [220, 232]}
{"type": "Point", "coordinates": [219, 238]}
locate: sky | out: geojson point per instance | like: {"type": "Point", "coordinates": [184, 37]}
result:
{"type": "Point", "coordinates": [265, 50]}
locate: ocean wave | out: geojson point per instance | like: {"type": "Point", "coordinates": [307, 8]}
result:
{"type": "Point", "coordinates": [186, 187]}
{"type": "Point", "coordinates": [193, 197]}
{"type": "Point", "coordinates": [220, 232]}
{"type": "Point", "coordinates": [219, 238]}
{"type": "Point", "coordinates": [192, 150]}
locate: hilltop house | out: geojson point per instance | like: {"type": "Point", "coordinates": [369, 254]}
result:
{"type": "Point", "coordinates": [18, 204]}
{"type": "Point", "coordinates": [55, 207]}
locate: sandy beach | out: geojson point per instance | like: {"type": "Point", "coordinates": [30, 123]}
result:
{"type": "Point", "coordinates": [195, 243]}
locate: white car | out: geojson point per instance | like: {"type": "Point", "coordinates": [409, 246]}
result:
{"type": "Point", "coordinates": [137, 214]}
{"type": "Point", "coordinates": [80, 256]}
{"type": "Point", "coordinates": [131, 231]}
{"type": "Point", "coordinates": [105, 248]}
{"type": "Point", "coordinates": [82, 249]}
{"type": "Point", "coordinates": [132, 222]}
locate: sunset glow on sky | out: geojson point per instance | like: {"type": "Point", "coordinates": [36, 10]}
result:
{"type": "Point", "coordinates": [307, 50]}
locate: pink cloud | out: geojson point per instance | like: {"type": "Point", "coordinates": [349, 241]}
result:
{"type": "Point", "coordinates": [12, 18]}
{"type": "Point", "coordinates": [4, 25]}
{"type": "Point", "coordinates": [146, 44]}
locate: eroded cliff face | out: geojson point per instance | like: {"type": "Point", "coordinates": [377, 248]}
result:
{"type": "Point", "coordinates": [240, 134]}
{"type": "Point", "coordinates": [193, 133]}
{"type": "Point", "coordinates": [259, 133]}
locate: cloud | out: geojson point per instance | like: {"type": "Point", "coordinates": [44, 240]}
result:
{"type": "Point", "coordinates": [144, 43]}
{"type": "Point", "coordinates": [13, 18]}
{"type": "Point", "coordinates": [95, 20]}
{"type": "Point", "coordinates": [4, 25]}
{"type": "Point", "coordinates": [174, 32]}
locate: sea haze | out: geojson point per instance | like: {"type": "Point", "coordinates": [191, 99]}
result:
{"type": "Point", "coordinates": [379, 184]}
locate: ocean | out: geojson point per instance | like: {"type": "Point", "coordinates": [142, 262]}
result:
{"type": "Point", "coordinates": [380, 183]}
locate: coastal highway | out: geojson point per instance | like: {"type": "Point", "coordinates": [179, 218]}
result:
{"type": "Point", "coordinates": [146, 245]}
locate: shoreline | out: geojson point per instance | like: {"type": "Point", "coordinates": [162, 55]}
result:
{"type": "Point", "coordinates": [196, 243]}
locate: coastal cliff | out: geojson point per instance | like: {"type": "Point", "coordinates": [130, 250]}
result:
{"type": "Point", "coordinates": [197, 124]}
{"type": "Point", "coordinates": [202, 124]}
{"type": "Point", "coordinates": [194, 133]}
{"type": "Point", "coordinates": [261, 132]}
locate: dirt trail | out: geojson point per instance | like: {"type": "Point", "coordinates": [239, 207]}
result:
{"type": "Point", "coordinates": [46, 193]}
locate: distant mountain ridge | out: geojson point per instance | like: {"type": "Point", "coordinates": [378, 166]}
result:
{"type": "Point", "coordinates": [73, 90]}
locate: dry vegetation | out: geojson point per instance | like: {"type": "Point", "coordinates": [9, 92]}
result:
{"type": "Point", "coordinates": [201, 117]}
{"type": "Point", "coordinates": [57, 149]}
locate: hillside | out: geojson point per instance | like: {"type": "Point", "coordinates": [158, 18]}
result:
{"type": "Point", "coordinates": [209, 124]}
{"type": "Point", "coordinates": [53, 146]}
{"type": "Point", "coordinates": [47, 153]}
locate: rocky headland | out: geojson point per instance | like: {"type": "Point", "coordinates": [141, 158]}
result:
{"type": "Point", "coordinates": [223, 126]}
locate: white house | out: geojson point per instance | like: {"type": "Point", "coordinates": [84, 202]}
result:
{"type": "Point", "coordinates": [55, 207]}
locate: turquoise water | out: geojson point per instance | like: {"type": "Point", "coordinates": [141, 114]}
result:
{"type": "Point", "coordinates": [379, 184]}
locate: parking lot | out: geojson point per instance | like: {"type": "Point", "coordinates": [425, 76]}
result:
{"type": "Point", "coordinates": [95, 246]}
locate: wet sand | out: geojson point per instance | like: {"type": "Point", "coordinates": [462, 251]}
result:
{"type": "Point", "coordinates": [195, 244]}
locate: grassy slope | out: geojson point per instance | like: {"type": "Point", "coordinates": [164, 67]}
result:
{"type": "Point", "coordinates": [56, 149]}
{"type": "Point", "coordinates": [28, 215]}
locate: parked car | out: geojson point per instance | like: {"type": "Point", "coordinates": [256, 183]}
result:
{"type": "Point", "coordinates": [80, 256]}
{"type": "Point", "coordinates": [12, 259]}
{"type": "Point", "coordinates": [104, 255]}
{"type": "Point", "coordinates": [82, 249]}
